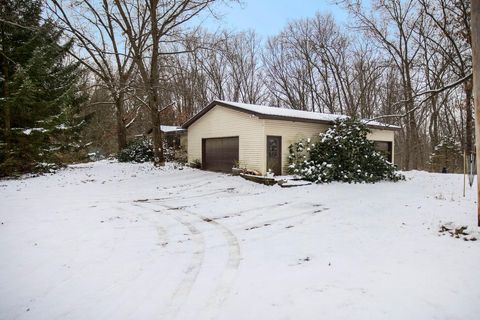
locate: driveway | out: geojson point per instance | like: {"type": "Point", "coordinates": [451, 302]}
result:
{"type": "Point", "coordinates": [123, 241]}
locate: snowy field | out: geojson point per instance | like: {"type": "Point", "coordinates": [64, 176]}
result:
{"type": "Point", "coordinates": [121, 241]}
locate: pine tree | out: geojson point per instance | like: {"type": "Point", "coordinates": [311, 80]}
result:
{"type": "Point", "coordinates": [40, 91]}
{"type": "Point", "coordinates": [342, 153]}
{"type": "Point", "coordinates": [447, 156]}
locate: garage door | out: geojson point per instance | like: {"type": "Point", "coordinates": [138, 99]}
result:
{"type": "Point", "coordinates": [219, 154]}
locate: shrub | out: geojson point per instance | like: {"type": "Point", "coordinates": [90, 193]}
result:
{"type": "Point", "coordinates": [137, 150]}
{"type": "Point", "coordinates": [181, 155]}
{"type": "Point", "coordinates": [175, 154]}
{"type": "Point", "coordinates": [168, 153]}
{"type": "Point", "coordinates": [196, 164]}
{"type": "Point", "coordinates": [342, 153]}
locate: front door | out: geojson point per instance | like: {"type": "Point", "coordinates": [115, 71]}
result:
{"type": "Point", "coordinates": [274, 154]}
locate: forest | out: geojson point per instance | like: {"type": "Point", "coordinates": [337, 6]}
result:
{"type": "Point", "coordinates": [83, 78]}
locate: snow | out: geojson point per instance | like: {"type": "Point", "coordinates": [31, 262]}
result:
{"type": "Point", "coordinates": [109, 240]}
{"type": "Point", "coordinates": [30, 130]}
{"type": "Point", "coordinates": [171, 129]}
{"type": "Point", "coordinates": [308, 115]}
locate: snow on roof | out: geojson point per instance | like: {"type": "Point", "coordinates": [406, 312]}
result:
{"type": "Point", "coordinates": [171, 129]}
{"type": "Point", "coordinates": [292, 113]}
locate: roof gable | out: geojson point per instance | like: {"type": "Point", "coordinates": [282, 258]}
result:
{"type": "Point", "coordinates": [276, 113]}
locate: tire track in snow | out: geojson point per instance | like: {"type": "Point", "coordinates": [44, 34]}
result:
{"type": "Point", "coordinates": [304, 214]}
{"type": "Point", "coordinates": [183, 289]}
{"type": "Point", "coordinates": [234, 193]}
{"type": "Point", "coordinates": [185, 187]}
{"type": "Point", "coordinates": [192, 269]}
{"type": "Point", "coordinates": [229, 273]}
{"type": "Point", "coordinates": [179, 296]}
{"type": "Point", "coordinates": [201, 195]}
{"type": "Point", "coordinates": [161, 232]}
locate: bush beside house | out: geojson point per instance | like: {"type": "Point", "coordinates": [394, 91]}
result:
{"type": "Point", "coordinates": [342, 153]}
{"type": "Point", "coordinates": [137, 150]}
{"type": "Point", "coordinates": [141, 150]}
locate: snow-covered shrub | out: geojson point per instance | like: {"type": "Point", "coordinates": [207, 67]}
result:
{"type": "Point", "coordinates": [168, 153]}
{"type": "Point", "coordinates": [299, 159]}
{"type": "Point", "coordinates": [137, 150]}
{"type": "Point", "coordinates": [181, 155]}
{"type": "Point", "coordinates": [342, 153]}
{"type": "Point", "coordinates": [175, 153]}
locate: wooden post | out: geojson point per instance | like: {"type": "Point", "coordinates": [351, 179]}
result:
{"type": "Point", "coordinates": [475, 22]}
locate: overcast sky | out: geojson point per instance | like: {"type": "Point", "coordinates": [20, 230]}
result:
{"type": "Point", "coordinates": [268, 17]}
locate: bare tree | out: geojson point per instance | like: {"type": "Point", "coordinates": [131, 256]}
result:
{"type": "Point", "coordinates": [101, 48]}
{"type": "Point", "coordinates": [225, 66]}
{"type": "Point", "coordinates": [410, 65]}
{"type": "Point", "coordinates": [242, 53]}
{"type": "Point", "coordinates": [452, 40]}
{"type": "Point", "coordinates": [149, 25]}
{"type": "Point", "coordinates": [313, 65]}
{"type": "Point", "coordinates": [392, 24]}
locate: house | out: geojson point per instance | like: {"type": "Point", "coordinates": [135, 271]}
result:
{"type": "Point", "coordinates": [175, 136]}
{"type": "Point", "coordinates": [224, 134]}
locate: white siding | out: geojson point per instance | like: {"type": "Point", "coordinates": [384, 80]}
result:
{"type": "Point", "coordinates": [383, 135]}
{"type": "Point", "coordinates": [252, 132]}
{"type": "Point", "coordinates": [225, 122]}
{"type": "Point", "coordinates": [184, 141]}
{"type": "Point", "coordinates": [291, 132]}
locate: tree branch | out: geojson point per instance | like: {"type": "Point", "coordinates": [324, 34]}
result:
{"type": "Point", "coordinates": [430, 92]}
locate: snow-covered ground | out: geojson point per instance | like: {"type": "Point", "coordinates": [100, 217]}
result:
{"type": "Point", "coordinates": [122, 241]}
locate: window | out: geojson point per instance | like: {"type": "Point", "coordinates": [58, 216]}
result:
{"type": "Point", "coordinates": [385, 148]}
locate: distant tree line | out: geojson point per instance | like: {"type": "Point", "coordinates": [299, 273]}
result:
{"type": "Point", "coordinates": [145, 63]}
{"type": "Point", "coordinates": [406, 63]}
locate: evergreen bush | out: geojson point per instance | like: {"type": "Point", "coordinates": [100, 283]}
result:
{"type": "Point", "coordinates": [447, 155]}
{"type": "Point", "coordinates": [342, 153]}
{"type": "Point", "coordinates": [137, 150]}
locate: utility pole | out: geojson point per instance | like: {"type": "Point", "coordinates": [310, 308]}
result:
{"type": "Point", "coordinates": [475, 23]}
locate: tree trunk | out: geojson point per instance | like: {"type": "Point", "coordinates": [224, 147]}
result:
{"type": "Point", "coordinates": [121, 129]}
{"type": "Point", "coordinates": [433, 126]}
{"type": "Point", "coordinates": [468, 117]}
{"type": "Point", "coordinates": [154, 84]}
{"type": "Point", "coordinates": [159, 159]}
{"type": "Point", "coordinates": [475, 11]}
{"type": "Point", "coordinates": [413, 143]}
{"type": "Point", "coordinates": [6, 107]}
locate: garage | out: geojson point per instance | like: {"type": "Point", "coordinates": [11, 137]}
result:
{"type": "Point", "coordinates": [258, 137]}
{"type": "Point", "coordinates": [219, 154]}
